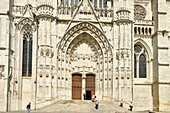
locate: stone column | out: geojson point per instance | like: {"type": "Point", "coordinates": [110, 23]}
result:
{"type": "Point", "coordinates": [123, 23]}
{"type": "Point", "coordinates": [45, 17]}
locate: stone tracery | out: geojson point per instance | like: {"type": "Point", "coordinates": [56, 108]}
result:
{"type": "Point", "coordinates": [75, 31]}
{"type": "Point", "coordinates": [139, 12]}
{"type": "Point", "coordinates": [96, 60]}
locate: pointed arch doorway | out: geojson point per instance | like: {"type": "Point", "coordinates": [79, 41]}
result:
{"type": "Point", "coordinates": [86, 50]}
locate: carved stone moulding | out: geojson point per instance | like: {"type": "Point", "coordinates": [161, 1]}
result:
{"type": "Point", "coordinates": [46, 51]}
{"type": "Point", "coordinates": [45, 9]}
{"type": "Point", "coordinates": [88, 28]}
{"type": "Point", "coordinates": [2, 68]}
{"type": "Point", "coordinates": [123, 14]}
{"type": "Point", "coordinates": [25, 21]}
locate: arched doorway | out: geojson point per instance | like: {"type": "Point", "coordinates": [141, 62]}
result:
{"type": "Point", "coordinates": [85, 49]}
{"type": "Point", "coordinates": [76, 86]}
{"type": "Point", "coordinates": [90, 86]}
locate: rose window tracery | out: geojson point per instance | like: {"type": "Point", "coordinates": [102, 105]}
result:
{"type": "Point", "coordinates": [137, 48]}
{"type": "Point", "coordinates": [139, 12]}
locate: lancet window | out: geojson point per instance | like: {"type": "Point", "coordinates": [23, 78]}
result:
{"type": "Point", "coordinates": [140, 62]}
{"type": "Point", "coordinates": [27, 53]}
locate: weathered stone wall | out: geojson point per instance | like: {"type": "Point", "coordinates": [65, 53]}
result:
{"type": "Point", "coordinates": [112, 43]}
{"type": "Point", "coordinates": [143, 97]}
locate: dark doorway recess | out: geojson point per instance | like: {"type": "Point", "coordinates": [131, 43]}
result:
{"type": "Point", "coordinates": [88, 95]}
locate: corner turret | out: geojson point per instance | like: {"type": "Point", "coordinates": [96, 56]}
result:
{"type": "Point", "coordinates": [123, 15]}
{"type": "Point", "coordinates": [45, 9]}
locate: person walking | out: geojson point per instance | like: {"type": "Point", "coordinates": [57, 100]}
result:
{"type": "Point", "coordinates": [131, 106]}
{"type": "Point", "coordinates": [121, 103]}
{"type": "Point", "coordinates": [96, 104]}
{"type": "Point", "coordinates": [28, 107]}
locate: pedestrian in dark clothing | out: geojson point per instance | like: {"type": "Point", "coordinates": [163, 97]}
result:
{"type": "Point", "coordinates": [96, 104]}
{"type": "Point", "coordinates": [28, 107]}
{"type": "Point", "coordinates": [131, 106]}
{"type": "Point", "coordinates": [121, 103]}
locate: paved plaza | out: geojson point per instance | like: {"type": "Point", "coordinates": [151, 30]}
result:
{"type": "Point", "coordinates": [85, 106]}
{"type": "Point", "coordinates": [82, 107]}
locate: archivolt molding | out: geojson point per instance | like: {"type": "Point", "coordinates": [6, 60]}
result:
{"type": "Point", "coordinates": [82, 28]}
{"type": "Point", "coordinates": [25, 21]}
{"type": "Point", "coordinates": [145, 45]}
{"type": "Point", "coordinates": [80, 39]}
{"type": "Point", "coordinates": [89, 34]}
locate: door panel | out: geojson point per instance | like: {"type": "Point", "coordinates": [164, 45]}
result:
{"type": "Point", "coordinates": [76, 86]}
{"type": "Point", "coordinates": [90, 83]}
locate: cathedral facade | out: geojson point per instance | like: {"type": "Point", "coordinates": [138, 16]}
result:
{"type": "Point", "coordinates": [53, 50]}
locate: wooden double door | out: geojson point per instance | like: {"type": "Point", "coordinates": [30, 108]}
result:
{"type": "Point", "coordinates": [77, 86]}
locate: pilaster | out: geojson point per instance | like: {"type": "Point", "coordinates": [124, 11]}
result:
{"type": "Point", "coordinates": [45, 52]}
{"type": "Point", "coordinates": [123, 54]}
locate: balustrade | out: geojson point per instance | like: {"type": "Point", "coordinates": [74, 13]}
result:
{"type": "Point", "coordinates": [64, 10]}
{"type": "Point", "coordinates": [148, 29]}
{"type": "Point", "coordinates": [101, 12]}
{"type": "Point", "coordinates": [20, 9]}
{"type": "Point", "coordinates": [146, 22]}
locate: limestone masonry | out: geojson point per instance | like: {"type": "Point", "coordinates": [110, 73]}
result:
{"type": "Point", "coordinates": [53, 50]}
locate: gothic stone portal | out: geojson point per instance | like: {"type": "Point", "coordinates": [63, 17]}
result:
{"type": "Point", "coordinates": [77, 86]}
{"type": "Point", "coordinates": [86, 53]}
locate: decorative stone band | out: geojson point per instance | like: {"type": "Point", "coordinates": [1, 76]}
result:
{"type": "Point", "coordinates": [2, 67]}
